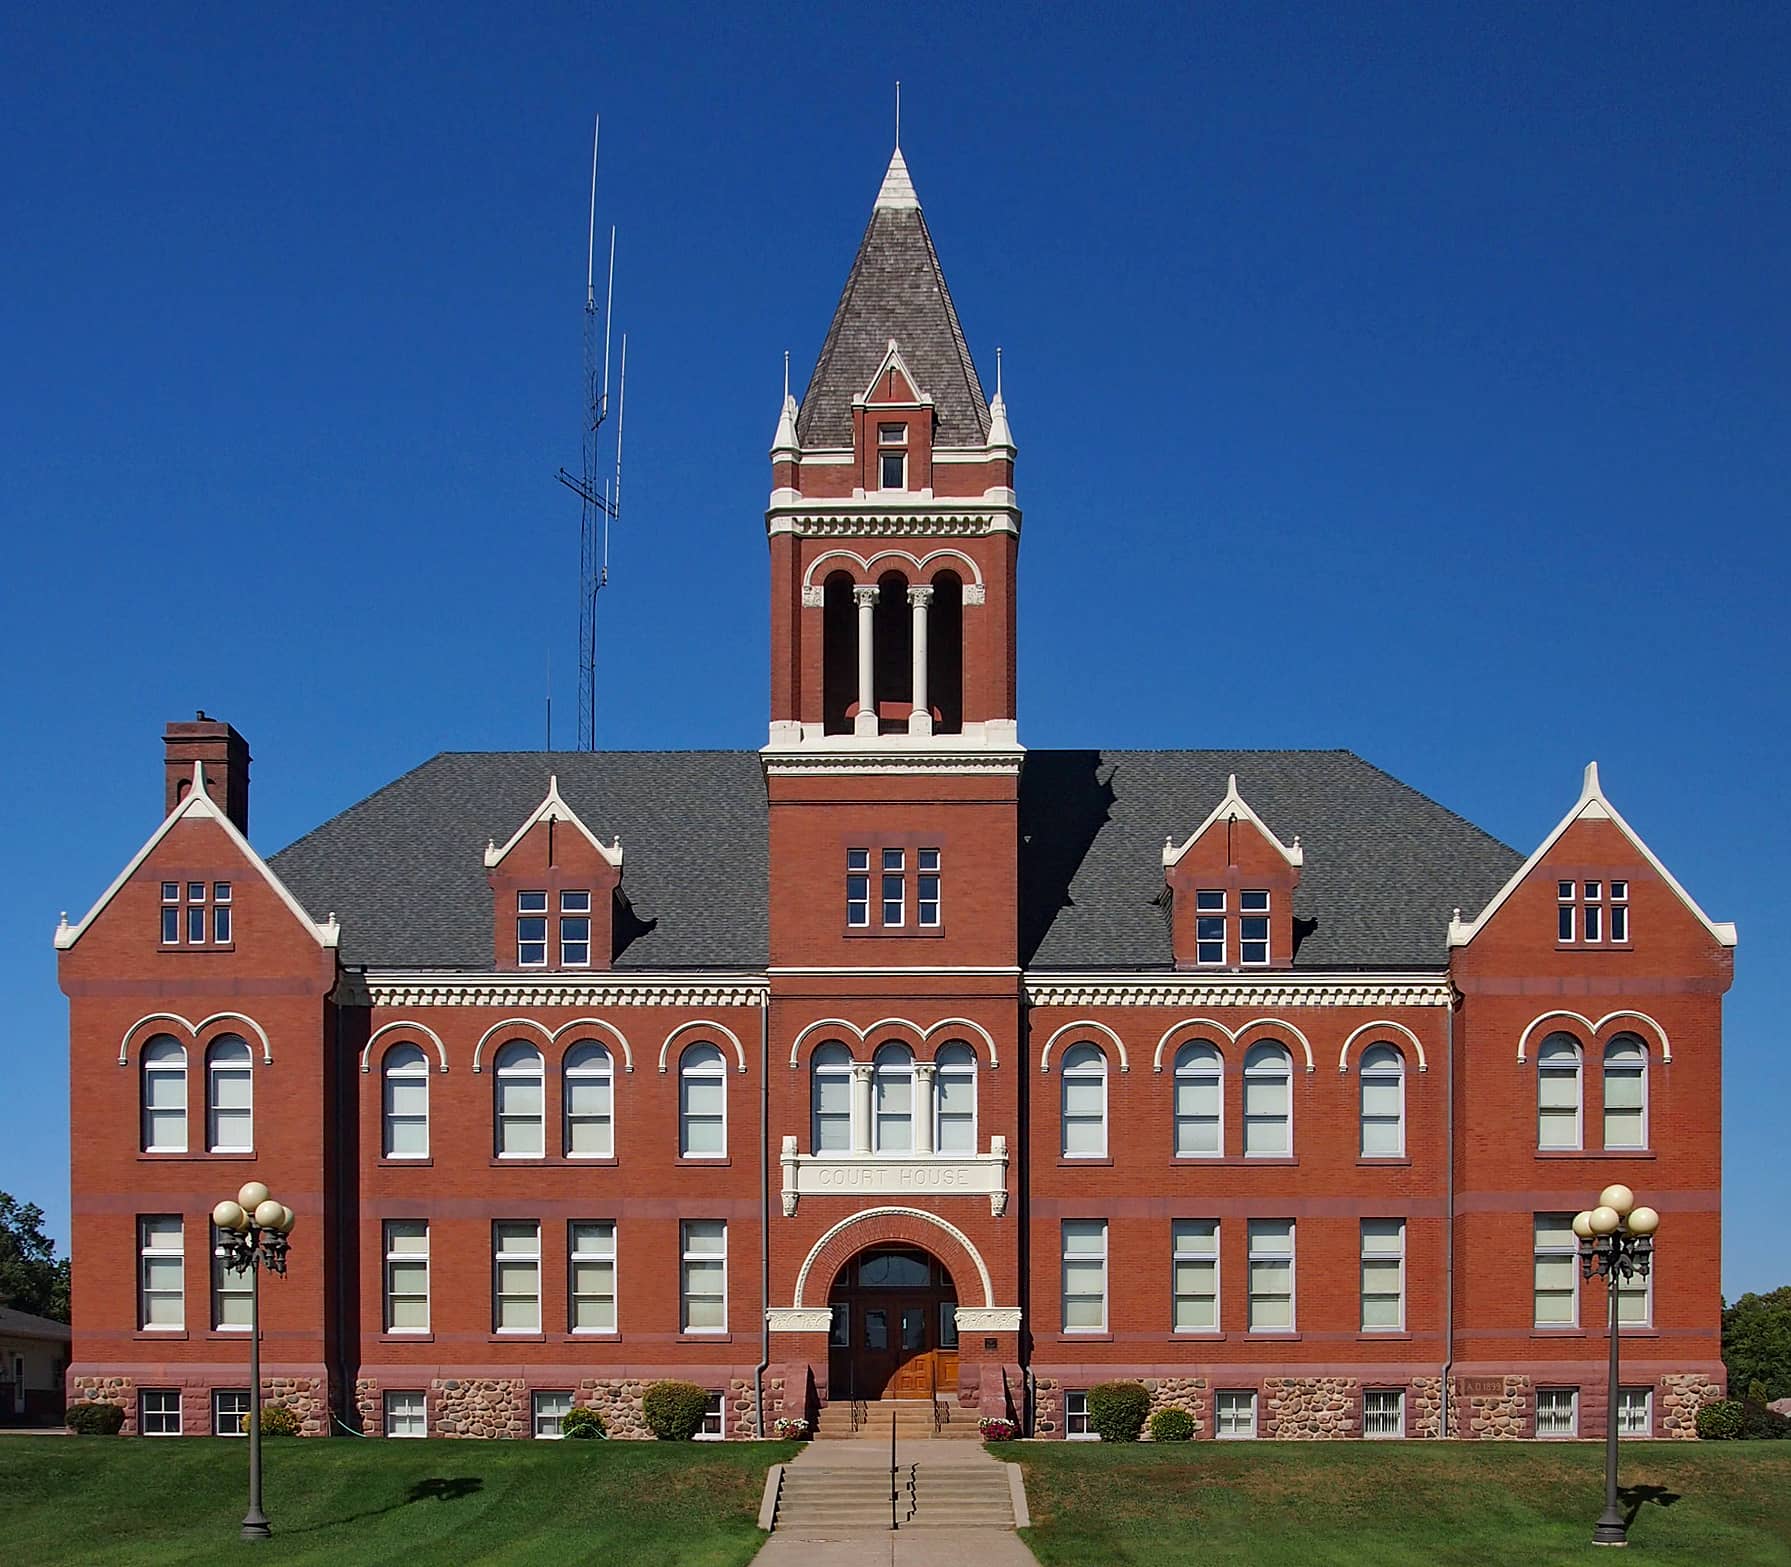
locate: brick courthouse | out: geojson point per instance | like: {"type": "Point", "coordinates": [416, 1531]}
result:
{"type": "Point", "coordinates": [893, 1060]}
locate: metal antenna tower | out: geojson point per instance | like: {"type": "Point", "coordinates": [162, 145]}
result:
{"type": "Point", "coordinates": [600, 498]}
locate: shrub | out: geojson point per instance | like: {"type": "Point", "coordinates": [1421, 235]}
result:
{"type": "Point", "coordinates": [1720, 1421]}
{"type": "Point", "coordinates": [582, 1425]}
{"type": "Point", "coordinates": [674, 1410]}
{"type": "Point", "coordinates": [1171, 1425]}
{"type": "Point", "coordinates": [1760, 1424]}
{"type": "Point", "coordinates": [791, 1428]}
{"type": "Point", "coordinates": [94, 1419]}
{"type": "Point", "coordinates": [278, 1420]}
{"type": "Point", "coordinates": [1117, 1409]}
{"type": "Point", "coordinates": [997, 1428]}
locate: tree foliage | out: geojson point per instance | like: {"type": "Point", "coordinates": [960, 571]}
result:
{"type": "Point", "coordinates": [1757, 1345]}
{"type": "Point", "coordinates": [32, 1277]}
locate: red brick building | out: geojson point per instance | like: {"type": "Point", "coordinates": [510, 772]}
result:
{"type": "Point", "coordinates": [893, 1060]}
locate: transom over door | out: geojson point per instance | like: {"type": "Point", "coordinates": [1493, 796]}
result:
{"type": "Point", "coordinates": [894, 1328]}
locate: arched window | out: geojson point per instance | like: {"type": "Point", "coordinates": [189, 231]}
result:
{"type": "Point", "coordinates": [405, 1103]}
{"type": "Point", "coordinates": [945, 653]}
{"type": "Point", "coordinates": [1268, 1102]}
{"type": "Point", "coordinates": [1626, 1093]}
{"type": "Point", "coordinates": [229, 1096]}
{"type": "Point", "coordinates": [954, 1098]}
{"type": "Point", "coordinates": [520, 1103]}
{"type": "Point", "coordinates": [164, 1062]}
{"type": "Point", "coordinates": [1558, 1092]}
{"type": "Point", "coordinates": [589, 1098]}
{"type": "Point", "coordinates": [1199, 1114]}
{"type": "Point", "coordinates": [839, 653]}
{"type": "Point", "coordinates": [830, 1098]}
{"type": "Point", "coordinates": [702, 1103]}
{"type": "Point", "coordinates": [892, 1097]}
{"type": "Point", "coordinates": [1383, 1102]}
{"type": "Point", "coordinates": [1084, 1102]}
{"type": "Point", "coordinates": [892, 660]}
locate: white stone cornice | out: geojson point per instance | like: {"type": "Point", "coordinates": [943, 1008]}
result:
{"type": "Point", "coordinates": [883, 518]}
{"type": "Point", "coordinates": [888, 758]}
{"type": "Point", "coordinates": [1282, 989]}
{"type": "Point", "coordinates": [410, 989]}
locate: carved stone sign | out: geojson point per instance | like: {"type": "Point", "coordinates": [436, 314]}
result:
{"type": "Point", "coordinates": [874, 1175]}
{"type": "Point", "coordinates": [1483, 1387]}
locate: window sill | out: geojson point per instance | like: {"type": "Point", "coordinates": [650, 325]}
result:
{"type": "Point", "coordinates": [227, 1336]}
{"type": "Point", "coordinates": [704, 1338]}
{"type": "Point", "coordinates": [591, 1161]}
{"type": "Point", "coordinates": [1086, 1336]}
{"type": "Point", "coordinates": [550, 1161]}
{"type": "Point", "coordinates": [1559, 1333]}
{"type": "Point", "coordinates": [1270, 1336]}
{"type": "Point", "coordinates": [1595, 946]}
{"type": "Point", "coordinates": [196, 947]}
{"type": "Point", "coordinates": [1068, 1163]}
{"type": "Point", "coordinates": [1197, 1336]}
{"type": "Point", "coordinates": [405, 1164]}
{"type": "Point", "coordinates": [605, 1337]}
{"type": "Point", "coordinates": [1594, 1153]}
{"type": "Point", "coordinates": [160, 1335]}
{"type": "Point", "coordinates": [1229, 1161]}
{"type": "Point", "coordinates": [516, 1338]}
{"type": "Point", "coordinates": [687, 1162]}
{"type": "Point", "coordinates": [1384, 1336]}
{"type": "Point", "coordinates": [151, 1156]}
{"type": "Point", "coordinates": [1389, 1161]}
{"type": "Point", "coordinates": [405, 1338]}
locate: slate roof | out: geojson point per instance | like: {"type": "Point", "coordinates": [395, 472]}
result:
{"type": "Point", "coordinates": [1384, 867]}
{"type": "Point", "coordinates": [895, 289]}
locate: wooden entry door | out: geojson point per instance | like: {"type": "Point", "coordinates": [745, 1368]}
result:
{"type": "Point", "coordinates": [894, 1328]}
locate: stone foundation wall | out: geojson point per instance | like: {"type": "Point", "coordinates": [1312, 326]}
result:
{"type": "Point", "coordinates": [1677, 1401]}
{"type": "Point", "coordinates": [478, 1406]}
{"type": "Point", "coordinates": [1189, 1393]}
{"type": "Point", "coordinates": [108, 1390]}
{"type": "Point", "coordinates": [1305, 1408]}
{"type": "Point", "coordinates": [1424, 1407]}
{"type": "Point", "coordinates": [1047, 1407]}
{"type": "Point", "coordinates": [306, 1397]}
{"type": "Point", "coordinates": [1502, 1416]}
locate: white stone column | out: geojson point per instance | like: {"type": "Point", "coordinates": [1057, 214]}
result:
{"type": "Point", "coordinates": [924, 1073]}
{"type": "Point", "coordinates": [866, 600]}
{"type": "Point", "coordinates": [861, 1106]}
{"type": "Point", "coordinates": [920, 721]}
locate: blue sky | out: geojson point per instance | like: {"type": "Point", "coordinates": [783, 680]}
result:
{"type": "Point", "coordinates": [1409, 379]}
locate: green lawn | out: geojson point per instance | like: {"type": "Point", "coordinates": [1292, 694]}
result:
{"type": "Point", "coordinates": [1308, 1504]}
{"type": "Point", "coordinates": [366, 1503]}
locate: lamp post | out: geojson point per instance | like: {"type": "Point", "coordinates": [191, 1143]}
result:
{"type": "Point", "coordinates": [1617, 1243]}
{"type": "Point", "coordinates": [254, 1229]}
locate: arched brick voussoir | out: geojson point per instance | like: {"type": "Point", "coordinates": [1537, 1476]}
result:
{"type": "Point", "coordinates": [892, 1226]}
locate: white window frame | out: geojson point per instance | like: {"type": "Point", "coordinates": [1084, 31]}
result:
{"type": "Point", "coordinates": [1083, 1062]}
{"type": "Point", "coordinates": [893, 871]}
{"type": "Point", "coordinates": [544, 1424]}
{"type": "Point", "coordinates": [532, 906]}
{"type": "Point", "coordinates": [156, 1062]}
{"type": "Point", "coordinates": [1641, 1289]}
{"type": "Point", "coordinates": [715, 1419]}
{"type": "Point", "coordinates": [929, 887]}
{"type": "Point", "coordinates": [240, 1064]}
{"type": "Point", "coordinates": [1636, 1051]}
{"type": "Point", "coordinates": [1550, 1051]}
{"type": "Point", "coordinates": [148, 1254]}
{"type": "Point", "coordinates": [411, 1066]}
{"type": "Point", "coordinates": [1198, 1062]}
{"type": "Point", "coordinates": [592, 1242]}
{"type": "Point", "coordinates": [1619, 912]}
{"type": "Point", "coordinates": [1370, 1418]}
{"type": "Point", "coordinates": [1085, 1227]}
{"type": "Point", "coordinates": [1573, 1414]}
{"type": "Point", "coordinates": [1395, 1253]}
{"type": "Point", "coordinates": [1071, 1416]}
{"type": "Point", "coordinates": [689, 1257]}
{"type": "Point", "coordinates": [1248, 911]}
{"type": "Point", "coordinates": [526, 1255]}
{"type": "Point", "coordinates": [518, 1064]}
{"type": "Point", "coordinates": [571, 909]}
{"type": "Point", "coordinates": [1237, 1398]}
{"type": "Point", "coordinates": [830, 1064]}
{"type": "Point", "coordinates": [170, 913]}
{"type": "Point", "coordinates": [956, 1063]}
{"type": "Point", "coordinates": [1563, 1247]}
{"type": "Point", "coordinates": [393, 1415]}
{"type": "Point", "coordinates": [1188, 1244]}
{"type": "Point", "coordinates": [1256, 1069]}
{"type": "Point", "coordinates": [858, 889]}
{"type": "Point", "coordinates": [396, 1257]}
{"type": "Point", "coordinates": [1567, 913]}
{"type": "Point", "coordinates": [1210, 903]}
{"type": "Point", "coordinates": [240, 1416]}
{"type": "Point", "coordinates": [588, 1064]}
{"type": "Point", "coordinates": [1261, 1240]}
{"type": "Point", "coordinates": [145, 1415]}
{"type": "Point", "coordinates": [887, 447]}
{"type": "Point", "coordinates": [1374, 1068]}
{"type": "Point", "coordinates": [892, 1066]}
{"type": "Point", "coordinates": [220, 913]}
{"type": "Point", "coordinates": [704, 1062]}
{"type": "Point", "coordinates": [1627, 1424]}
{"type": "Point", "coordinates": [228, 1285]}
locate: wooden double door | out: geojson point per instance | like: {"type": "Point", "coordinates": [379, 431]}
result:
{"type": "Point", "coordinates": [894, 1332]}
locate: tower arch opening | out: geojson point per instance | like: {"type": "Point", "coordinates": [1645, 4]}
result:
{"type": "Point", "coordinates": [839, 654]}
{"type": "Point", "coordinates": [894, 1328]}
{"type": "Point", "coordinates": [945, 653]}
{"type": "Point", "coordinates": [892, 665]}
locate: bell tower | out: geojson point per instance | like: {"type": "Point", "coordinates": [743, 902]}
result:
{"type": "Point", "coordinates": [893, 524]}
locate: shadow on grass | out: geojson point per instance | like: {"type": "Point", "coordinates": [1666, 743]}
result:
{"type": "Point", "coordinates": [434, 1489]}
{"type": "Point", "coordinates": [1635, 1497]}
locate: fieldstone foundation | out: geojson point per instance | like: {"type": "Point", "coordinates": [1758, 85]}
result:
{"type": "Point", "coordinates": [478, 1406]}
{"type": "Point", "coordinates": [1186, 1393]}
{"type": "Point", "coordinates": [1311, 1407]}
{"type": "Point", "coordinates": [1681, 1396]}
{"type": "Point", "coordinates": [1047, 1406]}
{"type": "Point", "coordinates": [1488, 1416]}
{"type": "Point", "coordinates": [108, 1390]}
{"type": "Point", "coordinates": [1424, 1407]}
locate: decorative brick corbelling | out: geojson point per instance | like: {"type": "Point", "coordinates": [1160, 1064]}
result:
{"type": "Point", "coordinates": [1237, 990]}
{"type": "Point", "coordinates": [398, 989]}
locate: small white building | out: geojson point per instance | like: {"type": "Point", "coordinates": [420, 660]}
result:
{"type": "Point", "coordinates": [33, 1357]}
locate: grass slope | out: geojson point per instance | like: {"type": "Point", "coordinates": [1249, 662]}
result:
{"type": "Point", "coordinates": [1311, 1504]}
{"type": "Point", "coordinates": [384, 1504]}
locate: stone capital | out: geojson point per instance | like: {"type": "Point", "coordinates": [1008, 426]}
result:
{"type": "Point", "coordinates": [921, 597]}
{"type": "Point", "coordinates": [865, 595]}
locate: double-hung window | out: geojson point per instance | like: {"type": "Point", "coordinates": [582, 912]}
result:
{"type": "Point", "coordinates": [1557, 1287]}
{"type": "Point", "coordinates": [954, 1098]}
{"type": "Point", "coordinates": [405, 1107]}
{"type": "Point", "coordinates": [1085, 1275]}
{"type": "Point", "coordinates": [1253, 928]}
{"type": "Point", "coordinates": [1635, 1411]}
{"type": "Point", "coordinates": [516, 1276]}
{"type": "Point", "coordinates": [1558, 1092]}
{"type": "Point", "coordinates": [164, 1090]}
{"type": "Point", "coordinates": [520, 1102]}
{"type": "Point", "coordinates": [531, 929]}
{"type": "Point", "coordinates": [1271, 1275]}
{"type": "Point", "coordinates": [895, 888]}
{"type": "Point", "coordinates": [230, 1300]}
{"type": "Point", "coordinates": [575, 928]}
{"type": "Point", "coordinates": [407, 1275]}
{"type": "Point", "coordinates": [162, 1273]}
{"type": "Point", "coordinates": [1268, 1102]}
{"type": "Point", "coordinates": [892, 456]}
{"type": "Point", "coordinates": [1084, 1102]}
{"type": "Point", "coordinates": [926, 889]}
{"type": "Point", "coordinates": [593, 1262]}
{"type": "Point", "coordinates": [830, 1098]}
{"type": "Point", "coordinates": [858, 888]}
{"type": "Point", "coordinates": [892, 1099]}
{"type": "Point", "coordinates": [702, 1103]}
{"type": "Point", "coordinates": [1209, 926]}
{"type": "Point", "coordinates": [1625, 1093]}
{"type": "Point", "coordinates": [1199, 1117]}
{"type": "Point", "coordinates": [1195, 1261]}
{"type": "Point", "coordinates": [589, 1102]}
{"type": "Point", "coordinates": [1383, 1275]}
{"type": "Point", "coordinates": [703, 1282]}
{"type": "Point", "coordinates": [229, 1096]}
{"type": "Point", "coordinates": [1383, 1102]}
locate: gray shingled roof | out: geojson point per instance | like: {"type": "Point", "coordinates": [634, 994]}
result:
{"type": "Point", "coordinates": [1384, 864]}
{"type": "Point", "coordinates": [895, 289]}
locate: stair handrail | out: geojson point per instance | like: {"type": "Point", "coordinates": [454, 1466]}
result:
{"type": "Point", "coordinates": [933, 1389]}
{"type": "Point", "coordinates": [892, 1470]}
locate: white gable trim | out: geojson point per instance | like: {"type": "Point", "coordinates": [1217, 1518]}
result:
{"type": "Point", "coordinates": [553, 809]}
{"type": "Point", "coordinates": [1236, 807]}
{"type": "Point", "coordinates": [198, 803]}
{"type": "Point", "coordinates": [1591, 806]}
{"type": "Point", "coordinates": [893, 360]}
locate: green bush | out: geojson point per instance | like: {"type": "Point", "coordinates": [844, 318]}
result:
{"type": "Point", "coordinates": [94, 1419]}
{"type": "Point", "coordinates": [582, 1425]}
{"type": "Point", "coordinates": [1760, 1424]}
{"type": "Point", "coordinates": [278, 1420]}
{"type": "Point", "coordinates": [1719, 1422]}
{"type": "Point", "coordinates": [1171, 1425]}
{"type": "Point", "coordinates": [1117, 1409]}
{"type": "Point", "coordinates": [674, 1410]}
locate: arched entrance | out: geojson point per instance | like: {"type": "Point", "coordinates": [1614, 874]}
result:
{"type": "Point", "coordinates": [894, 1330]}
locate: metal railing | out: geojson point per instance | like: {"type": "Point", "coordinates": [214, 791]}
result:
{"type": "Point", "coordinates": [892, 1471]}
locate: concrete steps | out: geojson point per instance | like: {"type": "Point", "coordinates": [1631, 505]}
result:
{"type": "Point", "coordinates": [928, 1496]}
{"type": "Point", "coordinates": [913, 1419]}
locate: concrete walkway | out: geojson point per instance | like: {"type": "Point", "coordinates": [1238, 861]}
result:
{"type": "Point", "coordinates": [858, 1545]}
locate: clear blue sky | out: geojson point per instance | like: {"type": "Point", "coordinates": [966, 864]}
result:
{"type": "Point", "coordinates": [1407, 379]}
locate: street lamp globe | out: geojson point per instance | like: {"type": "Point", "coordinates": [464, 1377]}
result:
{"type": "Point", "coordinates": [230, 1216]}
{"type": "Point", "coordinates": [1604, 1219]}
{"type": "Point", "coordinates": [1582, 1224]}
{"type": "Point", "coordinates": [1618, 1197]}
{"type": "Point", "coordinates": [252, 1196]}
{"type": "Point", "coordinates": [1643, 1221]}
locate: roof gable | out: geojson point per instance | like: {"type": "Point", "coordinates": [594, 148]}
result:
{"type": "Point", "coordinates": [1233, 807]}
{"type": "Point", "coordinates": [552, 809]}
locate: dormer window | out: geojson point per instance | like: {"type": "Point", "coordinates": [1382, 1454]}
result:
{"type": "Point", "coordinates": [892, 456]}
{"type": "Point", "coordinates": [1209, 926]}
{"type": "Point", "coordinates": [575, 928]}
{"type": "Point", "coordinates": [531, 930]}
{"type": "Point", "coordinates": [1253, 928]}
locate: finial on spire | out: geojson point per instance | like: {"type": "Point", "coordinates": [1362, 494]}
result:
{"type": "Point", "coordinates": [898, 128]}
{"type": "Point", "coordinates": [786, 372]}
{"type": "Point", "coordinates": [998, 369]}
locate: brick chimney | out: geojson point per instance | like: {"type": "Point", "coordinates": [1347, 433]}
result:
{"type": "Point", "coordinates": [226, 757]}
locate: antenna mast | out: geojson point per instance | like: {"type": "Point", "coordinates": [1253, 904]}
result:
{"type": "Point", "coordinates": [599, 503]}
